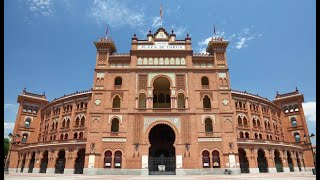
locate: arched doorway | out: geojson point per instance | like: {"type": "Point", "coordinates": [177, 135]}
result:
{"type": "Point", "coordinates": [31, 163]}
{"type": "Point", "coordinates": [290, 163]}
{"type": "Point", "coordinates": [161, 90]}
{"type": "Point", "coordinates": [44, 162]}
{"type": "Point", "coordinates": [23, 162]}
{"type": "Point", "coordinates": [162, 152]}
{"type": "Point", "coordinates": [244, 163]}
{"type": "Point", "coordinates": [298, 161]}
{"type": "Point", "coordinates": [215, 159]}
{"type": "Point", "coordinates": [278, 161]}
{"type": "Point", "coordinates": [79, 162]}
{"type": "Point", "coordinates": [262, 161]}
{"type": "Point", "coordinates": [60, 162]}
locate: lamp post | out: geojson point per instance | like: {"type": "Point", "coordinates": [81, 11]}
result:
{"type": "Point", "coordinates": [306, 143]}
{"type": "Point", "coordinates": [13, 137]}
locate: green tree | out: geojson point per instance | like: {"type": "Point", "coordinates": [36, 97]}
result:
{"type": "Point", "coordinates": [6, 146]}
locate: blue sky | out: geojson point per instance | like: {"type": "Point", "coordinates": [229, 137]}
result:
{"type": "Point", "coordinates": [48, 45]}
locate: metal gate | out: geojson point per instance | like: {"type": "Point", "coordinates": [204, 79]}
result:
{"type": "Point", "coordinates": [162, 165]}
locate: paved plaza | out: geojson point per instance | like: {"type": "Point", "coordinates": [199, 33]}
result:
{"type": "Point", "coordinates": [275, 176]}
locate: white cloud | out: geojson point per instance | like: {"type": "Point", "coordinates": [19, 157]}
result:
{"type": "Point", "coordinates": [156, 22]}
{"type": "Point", "coordinates": [11, 107]}
{"type": "Point", "coordinates": [309, 109]}
{"type": "Point", "coordinates": [8, 128]}
{"type": "Point", "coordinates": [179, 30]}
{"type": "Point", "coordinates": [116, 13]}
{"type": "Point", "coordinates": [237, 40]}
{"type": "Point", "coordinates": [40, 7]}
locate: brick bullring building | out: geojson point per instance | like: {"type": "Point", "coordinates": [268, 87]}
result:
{"type": "Point", "coordinates": [161, 109]}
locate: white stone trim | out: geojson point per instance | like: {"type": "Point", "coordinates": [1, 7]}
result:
{"type": "Point", "coordinates": [112, 116]}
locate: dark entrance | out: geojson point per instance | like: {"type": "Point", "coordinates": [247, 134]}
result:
{"type": "Point", "coordinates": [44, 162]}
{"type": "Point", "coordinates": [23, 163]}
{"type": "Point", "coordinates": [79, 162]}
{"type": "Point", "coordinates": [290, 163]}
{"type": "Point", "coordinates": [161, 152]}
{"type": "Point", "coordinates": [244, 163]}
{"type": "Point", "coordinates": [262, 162]}
{"type": "Point", "coordinates": [60, 162]}
{"type": "Point", "coordinates": [277, 161]}
{"type": "Point", "coordinates": [31, 164]}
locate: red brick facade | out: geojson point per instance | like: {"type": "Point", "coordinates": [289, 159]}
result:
{"type": "Point", "coordinates": [161, 101]}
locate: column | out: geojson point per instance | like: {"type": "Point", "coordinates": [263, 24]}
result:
{"type": "Point", "coordinates": [270, 160]}
{"type": "Point", "coordinates": [52, 155]}
{"type": "Point", "coordinates": [70, 158]}
{"type": "Point", "coordinates": [37, 162]}
{"type": "Point", "coordinates": [285, 161]}
{"type": "Point", "coordinates": [252, 158]}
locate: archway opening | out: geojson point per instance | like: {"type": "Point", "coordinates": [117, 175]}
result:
{"type": "Point", "coordinates": [290, 163]}
{"type": "Point", "coordinates": [162, 152]}
{"type": "Point", "coordinates": [161, 89]}
{"type": "Point", "coordinates": [262, 161]}
{"type": "Point", "coordinates": [31, 163]}
{"type": "Point", "coordinates": [278, 161]}
{"type": "Point", "coordinates": [60, 162]}
{"type": "Point", "coordinates": [79, 162]}
{"type": "Point", "coordinates": [244, 163]}
{"type": "Point", "coordinates": [44, 162]}
{"type": "Point", "coordinates": [215, 159]}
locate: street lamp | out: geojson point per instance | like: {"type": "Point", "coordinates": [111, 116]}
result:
{"type": "Point", "coordinates": [11, 136]}
{"type": "Point", "coordinates": [306, 143]}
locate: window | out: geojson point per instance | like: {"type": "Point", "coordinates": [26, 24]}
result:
{"type": "Point", "coordinates": [293, 121]}
{"type": "Point", "coordinates": [82, 121]}
{"type": "Point", "coordinates": [254, 123]}
{"type": "Point", "coordinates": [61, 136]}
{"type": "Point", "coordinates": [204, 81]}
{"type": "Point", "coordinates": [115, 125]}
{"type": "Point", "coordinates": [161, 98]}
{"type": "Point", "coordinates": [241, 135]}
{"type": "Point", "coordinates": [247, 135]}
{"type": "Point", "coordinates": [66, 136]}
{"type": "Point", "coordinates": [206, 102]}
{"type": "Point", "coordinates": [63, 123]}
{"type": "Point", "coordinates": [181, 101]}
{"type": "Point", "coordinates": [258, 123]}
{"type": "Point", "coordinates": [155, 98]}
{"type": "Point", "coordinates": [75, 135]}
{"type": "Point", "coordinates": [255, 135]}
{"type": "Point", "coordinates": [116, 102]}
{"type": "Point", "coordinates": [142, 100]}
{"type": "Point", "coordinates": [80, 135]}
{"type": "Point", "coordinates": [215, 159]}
{"type": "Point", "coordinates": [77, 121]}
{"type": "Point", "coordinates": [260, 136]}
{"type": "Point", "coordinates": [27, 123]}
{"type": "Point", "coordinates": [297, 137]}
{"type": "Point", "coordinates": [208, 125]}
{"type": "Point", "coordinates": [168, 99]}
{"type": "Point", "coordinates": [245, 121]}
{"type": "Point", "coordinates": [68, 123]}
{"type": "Point", "coordinates": [24, 137]}
{"type": "Point", "coordinates": [118, 81]}
{"type": "Point", "coordinates": [239, 120]}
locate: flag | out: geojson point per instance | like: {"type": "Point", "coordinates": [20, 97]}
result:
{"type": "Point", "coordinates": [107, 30]}
{"type": "Point", "coordinates": [214, 29]}
{"type": "Point", "coordinates": [161, 13]}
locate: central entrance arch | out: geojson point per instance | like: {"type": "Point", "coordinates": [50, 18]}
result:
{"type": "Point", "coordinates": [162, 152]}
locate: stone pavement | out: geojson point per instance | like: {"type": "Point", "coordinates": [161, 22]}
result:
{"type": "Point", "coordinates": [260, 176]}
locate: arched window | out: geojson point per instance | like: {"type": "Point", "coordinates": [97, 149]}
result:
{"type": "Point", "coordinates": [63, 123]}
{"type": "Point", "coordinates": [247, 135]}
{"type": "Point", "coordinates": [75, 135]}
{"type": "Point", "coordinates": [206, 102]}
{"type": "Point", "coordinates": [239, 120]}
{"type": "Point", "coordinates": [241, 134]}
{"type": "Point", "coordinates": [205, 159]}
{"type": "Point", "coordinates": [161, 98]}
{"type": "Point", "coordinates": [142, 100]}
{"type": "Point", "coordinates": [68, 123]}
{"type": "Point", "coordinates": [54, 137]}
{"type": "Point", "coordinates": [24, 137]}
{"type": "Point", "coordinates": [215, 159]}
{"type": "Point", "coordinates": [297, 137]}
{"type": "Point", "coordinates": [61, 136]}
{"type": "Point", "coordinates": [208, 125]}
{"type": "Point", "coordinates": [52, 125]}
{"type": "Point", "coordinates": [80, 135]}
{"type": "Point", "coordinates": [254, 123]}
{"type": "Point", "coordinates": [258, 123]}
{"type": "Point", "coordinates": [66, 136]}
{"type": "Point", "coordinates": [107, 159]}
{"type": "Point", "coordinates": [117, 159]}
{"type": "Point", "coordinates": [245, 121]}
{"type": "Point", "coordinates": [270, 137]}
{"type": "Point", "coordinates": [260, 136]}
{"type": "Point", "coordinates": [255, 135]}
{"type": "Point", "coordinates": [82, 121]}
{"type": "Point", "coordinates": [204, 81]}
{"type": "Point", "coordinates": [118, 81]}
{"type": "Point", "coordinates": [77, 121]}
{"type": "Point", "coordinates": [293, 121]}
{"type": "Point", "coordinates": [181, 101]}
{"type": "Point", "coordinates": [27, 123]}
{"type": "Point", "coordinates": [56, 124]}
{"type": "Point", "coordinates": [115, 125]}
{"type": "Point", "coordinates": [155, 98]}
{"type": "Point", "coordinates": [116, 102]}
